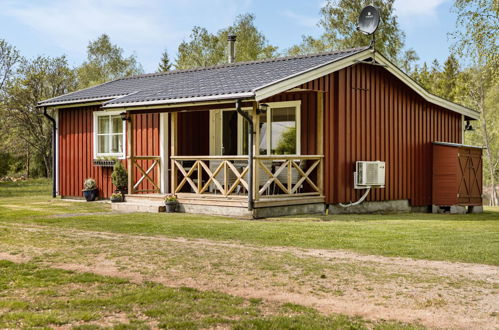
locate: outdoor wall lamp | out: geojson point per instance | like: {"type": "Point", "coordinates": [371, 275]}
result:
{"type": "Point", "coordinates": [124, 116]}
{"type": "Point", "coordinates": [262, 109]}
{"type": "Point", "coordinates": [468, 126]}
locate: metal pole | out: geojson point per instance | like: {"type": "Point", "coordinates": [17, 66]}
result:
{"type": "Point", "coordinates": [250, 153]}
{"type": "Point", "coordinates": [54, 159]}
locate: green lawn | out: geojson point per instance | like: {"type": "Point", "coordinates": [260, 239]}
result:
{"type": "Point", "coordinates": [33, 294]}
{"type": "Point", "coordinates": [39, 297]}
{"type": "Point", "coordinates": [469, 238]}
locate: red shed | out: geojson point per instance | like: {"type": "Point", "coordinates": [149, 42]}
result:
{"type": "Point", "coordinates": [313, 116]}
{"type": "Point", "coordinates": [457, 175]}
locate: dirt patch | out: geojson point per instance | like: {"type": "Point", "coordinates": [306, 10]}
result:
{"type": "Point", "coordinates": [17, 258]}
{"type": "Point", "coordinates": [433, 293]}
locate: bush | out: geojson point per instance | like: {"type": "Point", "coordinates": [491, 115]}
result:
{"type": "Point", "coordinates": [89, 184]}
{"type": "Point", "coordinates": [119, 176]}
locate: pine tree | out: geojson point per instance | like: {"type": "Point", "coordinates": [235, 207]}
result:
{"type": "Point", "coordinates": [164, 64]}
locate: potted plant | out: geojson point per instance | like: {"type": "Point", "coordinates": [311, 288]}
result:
{"type": "Point", "coordinates": [90, 190]}
{"type": "Point", "coordinates": [116, 198]}
{"type": "Point", "coordinates": [119, 177]}
{"type": "Point", "coordinates": [171, 203]}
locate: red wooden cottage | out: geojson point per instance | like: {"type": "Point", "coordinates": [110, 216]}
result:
{"type": "Point", "coordinates": [313, 118]}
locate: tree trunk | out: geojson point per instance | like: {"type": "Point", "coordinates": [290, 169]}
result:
{"type": "Point", "coordinates": [486, 142]}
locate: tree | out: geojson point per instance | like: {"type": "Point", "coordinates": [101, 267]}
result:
{"type": "Point", "coordinates": [205, 49]}
{"type": "Point", "coordinates": [476, 41]}
{"type": "Point", "coordinates": [339, 23]}
{"type": "Point", "coordinates": [106, 62]}
{"type": "Point", "coordinates": [9, 58]}
{"type": "Point", "coordinates": [36, 80]}
{"type": "Point", "coordinates": [164, 64]}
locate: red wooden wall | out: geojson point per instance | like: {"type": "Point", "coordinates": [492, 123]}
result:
{"type": "Point", "coordinates": [76, 149]}
{"type": "Point", "coordinates": [146, 137]}
{"type": "Point", "coordinates": [371, 115]}
{"type": "Point", "coordinates": [368, 115]}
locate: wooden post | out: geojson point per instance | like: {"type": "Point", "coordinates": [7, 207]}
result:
{"type": "Point", "coordinates": [173, 149]}
{"type": "Point", "coordinates": [256, 151]}
{"type": "Point", "coordinates": [130, 147]}
{"type": "Point", "coordinates": [320, 140]}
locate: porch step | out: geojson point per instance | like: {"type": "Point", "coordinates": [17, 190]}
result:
{"type": "Point", "coordinates": [139, 206]}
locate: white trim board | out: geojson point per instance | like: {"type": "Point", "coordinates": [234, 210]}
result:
{"type": "Point", "coordinates": [315, 73]}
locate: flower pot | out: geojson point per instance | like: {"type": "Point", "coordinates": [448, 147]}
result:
{"type": "Point", "coordinates": [170, 207]}
{"type": "Point", "coordinates": [117, 199]}
{"type": "Point", "coordinates": [90, 195]}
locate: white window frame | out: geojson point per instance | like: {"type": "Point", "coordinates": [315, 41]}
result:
{"type": "Point", "coordinates": [216, 138]}
{"type": "Point", "coordinates": [98, 114]}
{"type": "Point", "coordinates": [284, 104]}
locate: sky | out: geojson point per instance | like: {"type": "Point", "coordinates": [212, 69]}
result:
{"type": "Point", "coordinates": [147, 27]}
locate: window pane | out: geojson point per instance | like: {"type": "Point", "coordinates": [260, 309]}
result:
{"type": "Point", "coordinates": [117, 124]}
{"type": "Point", "coordinates": [103, 124]}
{"type": "Point", "coordinates": [103, 145]}
{"type": "Point", "coordinates": [283, 139]}
{"type": "Point", "coordinates": [117, 146]}
{"type": "Point", "coordinates": [263, 134]}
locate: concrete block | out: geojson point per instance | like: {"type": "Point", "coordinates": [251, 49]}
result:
{"type": "Point", "coordinates": [394, 206]}
{"type": "Point", "coordinates": [228, 211]}
{"type": "Point", "coordinates": [278, 211]}
{"type": "Point", "coordinates": [475, 209]}
{"type": "Point", "coordinates": [457, 209]}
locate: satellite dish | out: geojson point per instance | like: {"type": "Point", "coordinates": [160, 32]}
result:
{"type": "Point", "coordinates": [368, 20]}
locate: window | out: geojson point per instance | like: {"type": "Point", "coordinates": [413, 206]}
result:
{"type": "Point", "coordinates": [280, 129]}
{"type": "Point", "coordinates": [109, 135]}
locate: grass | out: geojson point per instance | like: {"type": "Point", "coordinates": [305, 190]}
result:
{"type": "Point", "coordinates": [470, 238]}
{"type": "Point", "coordinates": [31, 296]}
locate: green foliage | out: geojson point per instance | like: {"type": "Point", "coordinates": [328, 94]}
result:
{"type": "Point", "coordinates": [164, 65]}
{"type": "Point", "coordinates": [89, 184]}
{"type": "Point", "coordinates": [105, 62]}
{"type": "Point", "coordinates": [339, 25]}
{"type": "Point", "coordinates": [119, 176]}
{"type": "Point", "coordinates": [205, 49]}
{"type": "Point", "coordinates": [28, 130]}
{"type": "Point", "coordinates": [9, 58]}
{"type": "Point", "coordinates": [287, 142]}
{"type": "Point", "coordinates": [5, 162]}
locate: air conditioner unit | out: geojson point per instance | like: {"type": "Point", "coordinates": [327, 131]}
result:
{"type": "Point", "coordinates": [369, 174]}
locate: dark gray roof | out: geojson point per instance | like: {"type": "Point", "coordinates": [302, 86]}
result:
{"type": "Point", "coordinates": [222, 80]}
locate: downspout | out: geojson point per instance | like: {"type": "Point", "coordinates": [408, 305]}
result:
{"type": "Point", "coordinates": [250, 153]}
{"type": "Point", "coordinates": [54, 156]}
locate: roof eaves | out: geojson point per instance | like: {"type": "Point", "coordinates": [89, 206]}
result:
{"type": "Point", "coordinates": [283, 84]}
{"type": "Point", "coordinates": [46, 103]}
{"type": "Point", "coordinates": [219, 97]}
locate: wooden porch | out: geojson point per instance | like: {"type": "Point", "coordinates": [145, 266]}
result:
{"type": "Point", "coordinates": [279, 180]}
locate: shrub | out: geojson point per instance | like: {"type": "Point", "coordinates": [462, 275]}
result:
{"type": "Point", "coordinates": [89, 184]}
{"type": "Point", "coordinates": [119, 176]}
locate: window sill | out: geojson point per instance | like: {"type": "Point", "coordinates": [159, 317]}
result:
{"type": "Point", "coordinates": [104, 163]}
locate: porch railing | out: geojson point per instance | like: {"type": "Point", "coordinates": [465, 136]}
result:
{"type": "Point", "coordinates": [227, 176]}
{"type": "Point", "coordinates": [145, 165]}
{"type": "Point", "coordinates": [210, 174]}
